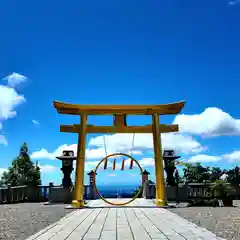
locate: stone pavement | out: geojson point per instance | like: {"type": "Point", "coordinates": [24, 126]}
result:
{"type": "Point", "coordinates": [140, 220]}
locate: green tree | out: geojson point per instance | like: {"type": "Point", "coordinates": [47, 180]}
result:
{"type": "Point", "coordinates": [216, 173]}
{"type": "Point", "coordinates": [196, 173]}
{"type": "Point", "coordinates": [233, 176]}
{"type": "Point", "coordinates": [22, 171]}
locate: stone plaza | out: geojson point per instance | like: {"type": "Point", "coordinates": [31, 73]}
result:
{"type": "Point", "coordinates": [140, 220]}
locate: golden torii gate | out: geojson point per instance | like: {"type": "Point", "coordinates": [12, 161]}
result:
{"type": "Point", "coordinates": [119, 113]}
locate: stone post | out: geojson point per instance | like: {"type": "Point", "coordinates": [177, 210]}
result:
{"type": "Point", "coordinates": [92, 191]}
{"type": "Point", "coordinates": [145, 176]}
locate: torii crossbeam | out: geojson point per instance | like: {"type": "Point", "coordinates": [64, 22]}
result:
{"type": "Point", "coordinates": [119, 113]}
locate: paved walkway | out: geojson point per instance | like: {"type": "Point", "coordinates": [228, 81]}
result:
{"type": "Point", "coordinates": [139, 221]}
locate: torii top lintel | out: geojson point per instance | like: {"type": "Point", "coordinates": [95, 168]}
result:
{"type": "Point", "coordinates": [77, 109]}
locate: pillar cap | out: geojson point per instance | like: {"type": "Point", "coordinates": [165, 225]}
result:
{"type": "Point", "coordinates": [145, 172]}
{"type": "Point", "coordinates": [67, 155]}
{"type": "Point", "coordinates": [91, 173]}
{"type": "Point", "coordinates": [170, 154]}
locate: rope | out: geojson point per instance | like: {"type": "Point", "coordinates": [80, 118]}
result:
{"type": "Point", "coordinates": [105, 145]}
{"type": "Point", "coordinates": [132, 143]}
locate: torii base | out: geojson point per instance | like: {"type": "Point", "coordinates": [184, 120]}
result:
{"type": "Point", "coordinates": [77, 204]}
{"type": "Point", "coordinates": [161, 203]}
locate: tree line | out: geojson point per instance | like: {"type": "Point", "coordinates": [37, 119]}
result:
{"type": "Point", "coordinates": [23, 171]}
{"type": "Point", "coordinates": [196, 173]}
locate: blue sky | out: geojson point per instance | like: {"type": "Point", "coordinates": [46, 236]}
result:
{"type": "Point", "coordinates": [120, 52]}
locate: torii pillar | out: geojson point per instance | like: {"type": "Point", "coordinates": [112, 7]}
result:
{"type": "Point", "coordinates": [161, 199]}
{"type": "Point", "coordinates": [79, 179]}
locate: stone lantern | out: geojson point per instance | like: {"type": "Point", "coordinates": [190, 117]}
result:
{"type": "Point", "coordinates": [169, 158]}
{"type": "Point", "coordinates": [67, 167]}
{"type": "Point", "coordinates": [91, 175]}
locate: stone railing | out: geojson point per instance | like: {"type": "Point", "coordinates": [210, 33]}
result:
{"type": "Point", "coordinates": [149, 192]}
{"type": "Point", "coordinates": [13, 194]}
{"type": "Point", "coordinates": [183, 192]}
{"type": "Point", "coordinates": [42, 193]}
{"type": "Point", "coordinates": [24, 194]}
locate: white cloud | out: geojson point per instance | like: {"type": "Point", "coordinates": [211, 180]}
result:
{"type": "Point", "coordinates": [89, 165]}
{"type": "Point", "coordinates": [42, 154]}
{"type": "Point", "coordinates": [112, 175]}
{"type": "Point", "coordinates": [123, 143]}
{"type": "Point", "coordinates": [9, 100]}
{"type": "Point", "coordinates": [147, 162]}
{"type": "Point", "coordinates": [143, 142]}
{"type": "Point", "coordinates": [212, 122]}
{"type": "Point", "coordinates": [135, 152]}
{"type": "Point", "coordinates": [3, 140]}
{"type": "Point", "coordinates": [15, 79]}
{"type": "Point", "coordinates": [35, 122]}
{"type": "Point", "coordinates": [47, 168]}
{"type": "Point", "coordinates": [144, 162]}
{"type": "Point", "coordinates": [232, 157]}
{"type": "Point", "coordinates": [181, 143]}
{"type": "Point", "coordinates": [202, 158]}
